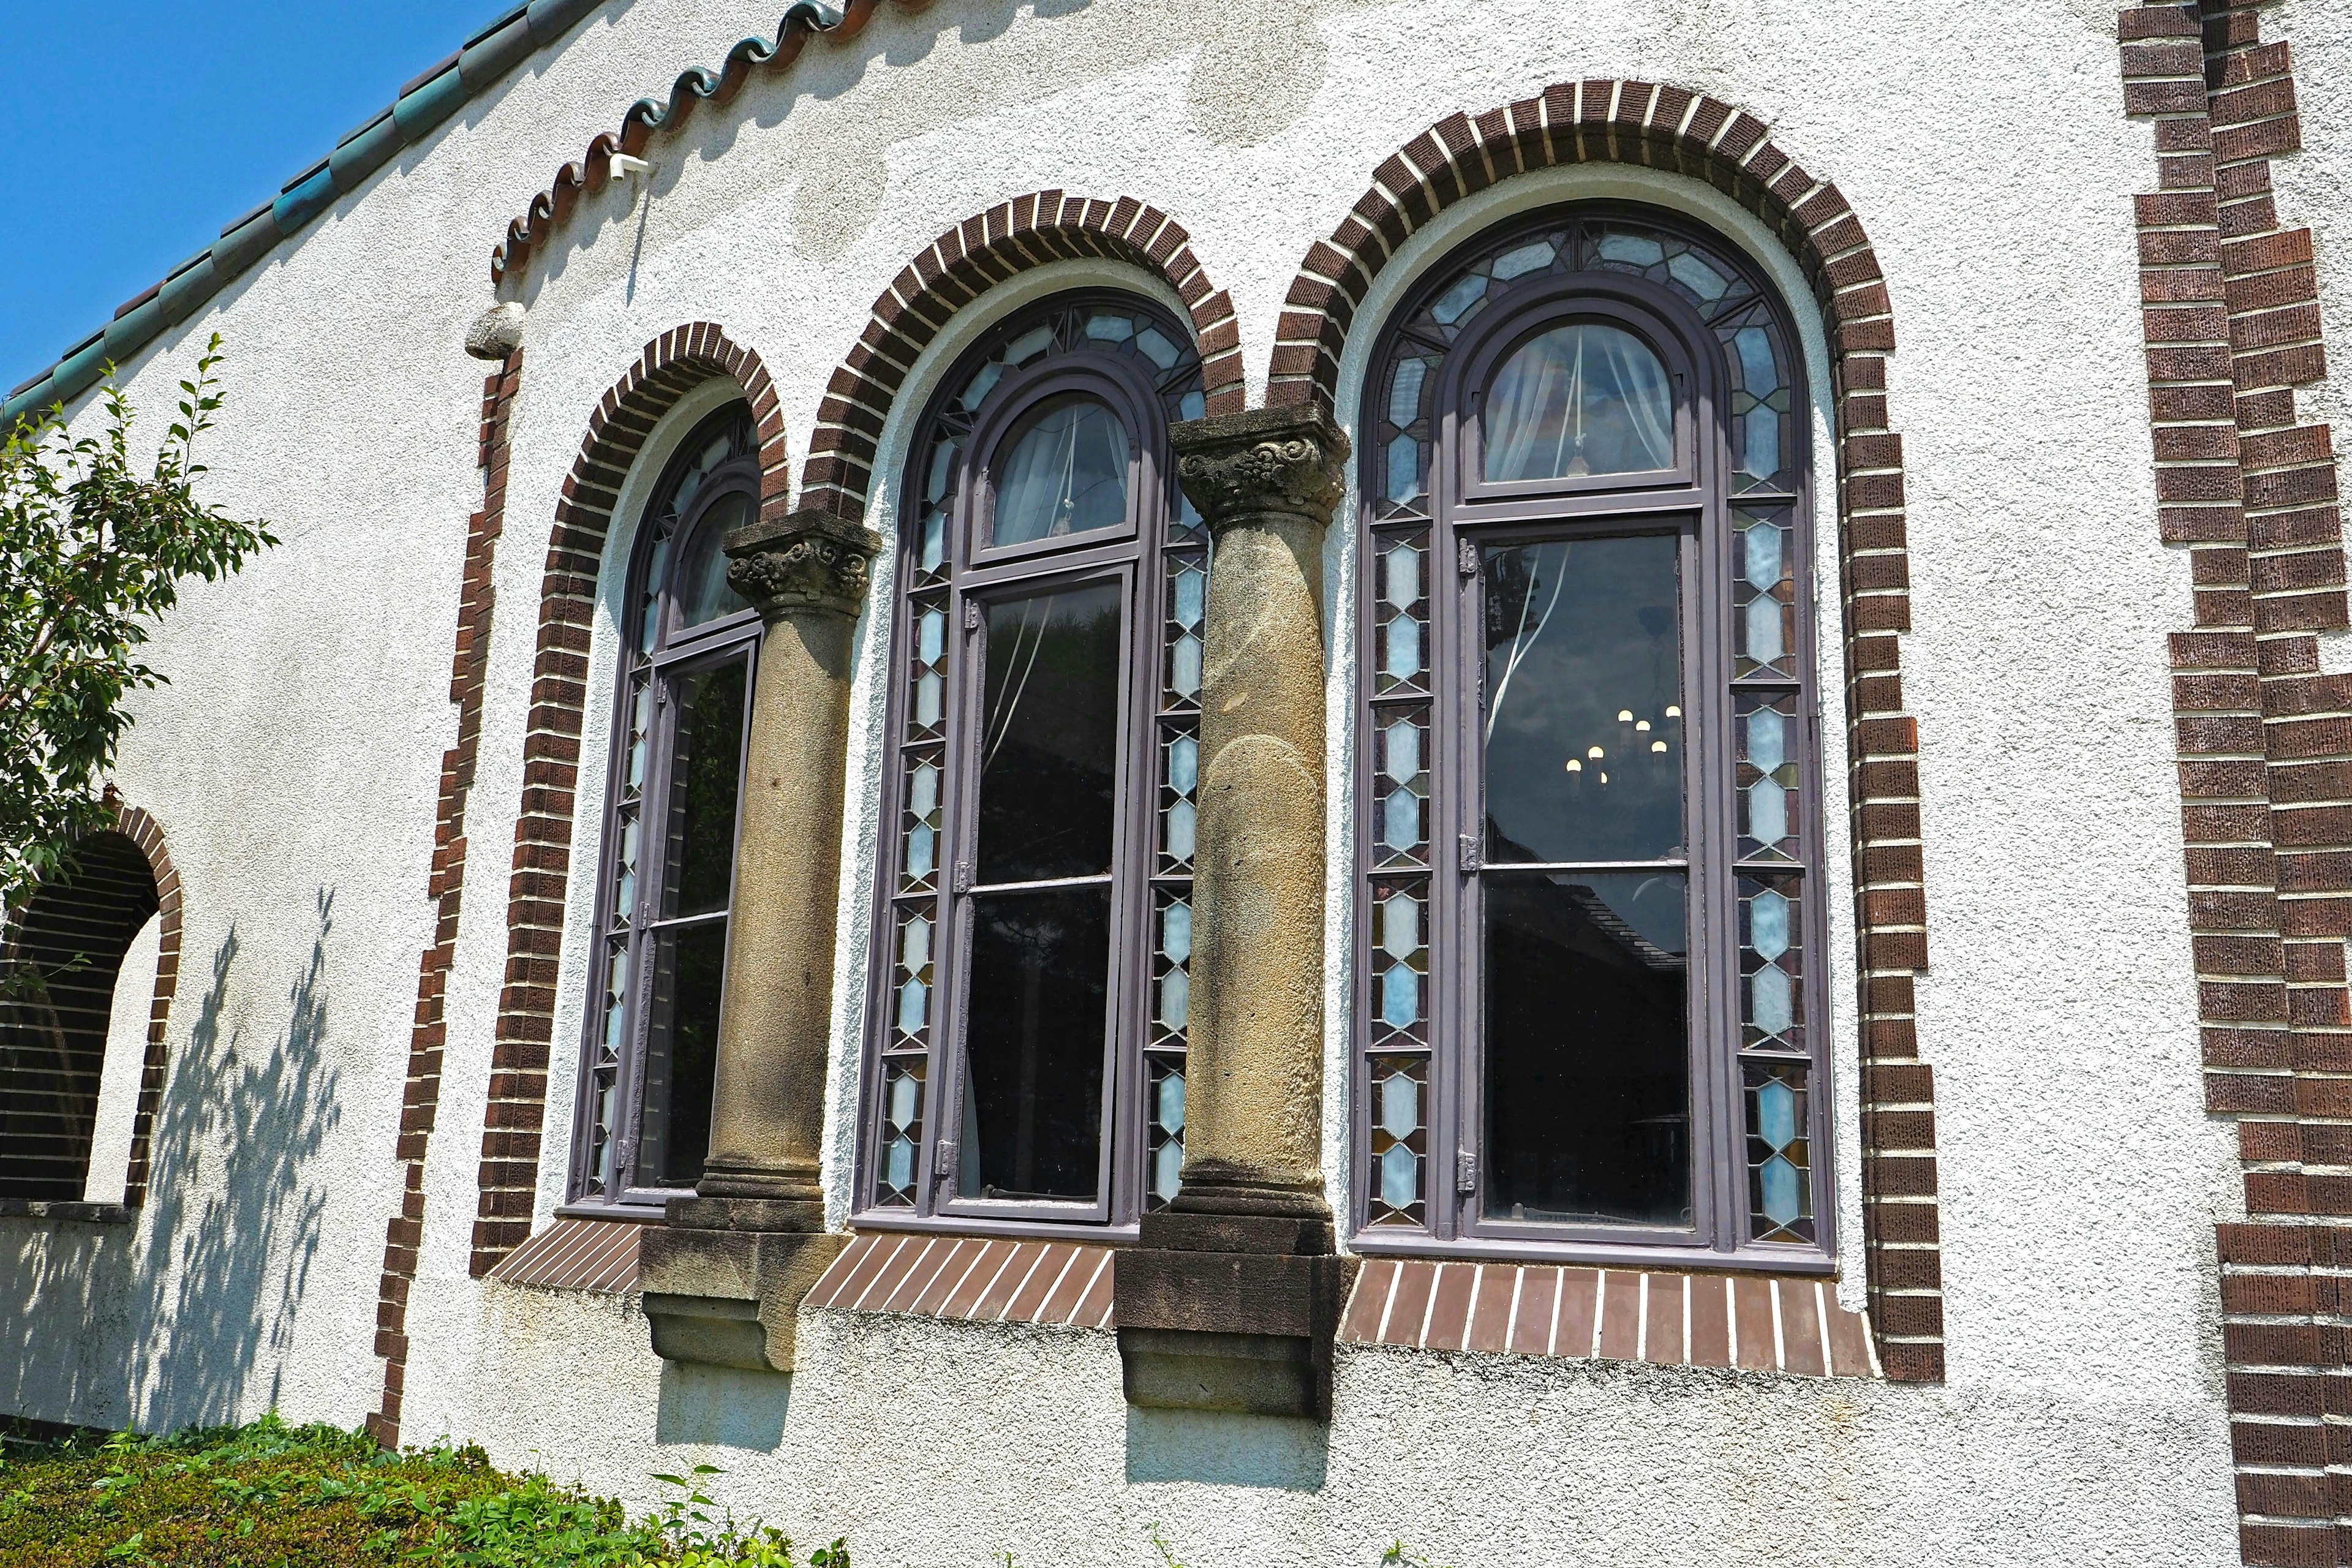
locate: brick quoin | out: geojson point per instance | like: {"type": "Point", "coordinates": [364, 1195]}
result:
{"type": "Point", "coordinates": [1670, 129]}
{"type": "Point", "coordinates": [445, 883]}
{"type": "Point", "coordinates": [514, 1119]}
{"type": "Point", "coordinates": [957, 269]}
{"type": "Point", "coordinates": [2229, 304]}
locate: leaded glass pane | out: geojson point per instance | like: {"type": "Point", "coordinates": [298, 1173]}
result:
{"type": "Point", "coordinates": [1764, 593]}
{"type": "Point", "coordinates": [1400, 787]}
{"type": "Point", "coordinates": [1401, 617]}
{"type": "Point", "coordinates": [1179, 783]}
{"type": "Point", "coordinates": [1766, 780]}
{"type": "Point", "coordinates": [1172, 977]}
{"type": "Point", "coordinates": [1771, 964]}
{"type": "Point", "coordinates": [1400, 1140]}
{"type": "Point", "coordinates": [921, 825]}
{"type": "Point", "coordinates": [1399, 959]}
{"type": "Point", "coordinates": [911, 984]}
{"type": "Point", "coordinates": [1780, 1153]}
{"type": "Point", "coordinates": [926, 674]}
{"type": "Point", "coordinates": [902, 1129]}
{"type": "Point", "coordinates": [1164, 1131]}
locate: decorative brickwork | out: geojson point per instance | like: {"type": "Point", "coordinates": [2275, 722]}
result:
{"type": "Point", "coordinates": [598, 1256]}
{"type": "Point", "coordinates": [1673, 128]}
{"type": "Point", "coordinates": [957, 269]}
{"type": "Point", "coordinates": [671, 365]}
{"type": "Point", "coordinates": [970, 1277]}
{"type": "Point", "coordinates": [148, 834]}
{"type": "Point", "coordinates": [2231, 307]}
{"type": "Point", "coordinates": [1750, 1321]}
{"type": "Point", "coordinates": [444, 886]}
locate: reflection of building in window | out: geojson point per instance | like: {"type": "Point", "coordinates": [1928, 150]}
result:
{"type": "Point", "coordinates": [58, 974]}
{"type": "Point", "coordinates": [1587, 689]}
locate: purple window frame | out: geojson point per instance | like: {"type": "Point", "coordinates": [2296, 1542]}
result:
{"type": "Point", "coordinates": [1451, 515]}
{"type": "Point", "coordinates": [1160, 542]}
{"type": "Point", "coordinates": [664, 544]}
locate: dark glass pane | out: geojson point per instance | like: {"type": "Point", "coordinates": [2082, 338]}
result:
{"type": "Point", "coordinates": [1583, 722]}
{"type": "Point", "coordinates": [1049, 740]}
{"type": "Point", "coordinates": [1579, 399]}
{"type": "Point", "coordinates": [1034, 1044]}
{"type": "Point", "coordinates": [1063, 472]}
{"type": "Point", "coordinates": [706, 770]}
{"type": "Point", "coordinates": [1588, 1068]}
{"type": "Point", "coordinates": [700, 590]}
{"type": "Point", "coordinates": [681, 1053]}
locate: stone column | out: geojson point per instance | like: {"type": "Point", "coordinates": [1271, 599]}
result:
{"type": "Point", "coordinates": [725, 1276]}
{"type": "Point", "coordinates": [1231, 1299]}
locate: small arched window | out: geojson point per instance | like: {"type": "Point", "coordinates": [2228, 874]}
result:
{"type": "Point", "coordinates": [689, 653]}
{"type": "Point", "coordinates": [1588, 833]}
{"type": "Point", "coordinates": [58, 971]}
{"type": "Point", "coordinates": [1027, 1055]}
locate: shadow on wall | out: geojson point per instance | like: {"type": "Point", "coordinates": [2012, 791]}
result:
{"type": "Point", "coordinates": [728, 1409]}
{"type": "Point", "coordinates": [1265, 1451]}
{"type": "Point", "coordinates": [231, 1248]}
{"type": "Point", "coordinates": [99, 1330]}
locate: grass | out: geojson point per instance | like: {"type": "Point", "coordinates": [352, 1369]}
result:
{"type": "Point", "coordinates": [273, 1496]}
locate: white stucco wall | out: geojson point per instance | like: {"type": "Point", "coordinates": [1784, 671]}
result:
{"type": "Point", "coordinates": [297, 756]}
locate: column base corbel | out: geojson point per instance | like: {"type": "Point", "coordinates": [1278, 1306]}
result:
{"type": "Point", "coordinates": [1230, 1312]}
{"type": "Point", "coordinates": [724, 1279]}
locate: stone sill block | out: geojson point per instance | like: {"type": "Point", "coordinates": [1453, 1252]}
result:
{"type": "Point", "coordinates": [77, 1213]}
{"type": "Point", "coordinates": [595, 1255]}
{"type": "Point", "coordinates": [978, 1280]}
{"type": "Point", "coordinates": [1751, 1321]}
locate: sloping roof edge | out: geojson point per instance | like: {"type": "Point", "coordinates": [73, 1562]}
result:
{"type": "Point", "coordinates": [421, 106]}
{"type": "Point", "coordinates": [550, 207]}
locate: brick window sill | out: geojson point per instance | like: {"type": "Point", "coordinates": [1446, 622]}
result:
{"type": "Point", "coordinates": [1753, 1322]}
{"type": "Point", "coordinates": [597, 1256]}
{"type": "Point", "coordinates": [70, 1213]}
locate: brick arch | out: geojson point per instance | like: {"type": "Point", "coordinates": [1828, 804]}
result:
{"type": "Point", "coordinates": [1669, 128]}
{"type": "Point", "coordinates": [671, 365]}
{"type": "Point", "coordinates": [958, 267]}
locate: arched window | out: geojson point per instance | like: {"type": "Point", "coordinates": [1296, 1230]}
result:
{"type": "Point", "coordinates": [1589, 831]}
{"type": "Point", "coordinates": [689, 652]}
{"type": "Point", "coordinates": [62, 958]}
{"type": "Point", "coordinates": [1027, 1055]}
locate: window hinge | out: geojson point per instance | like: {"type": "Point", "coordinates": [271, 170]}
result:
{"type": "Point", "coordinates": [971, 615]}
{"type": "Point", "coordinates": [1470, 859]}
{"type": "Point", "coordinates": [1465, 1172]}
{"type": "Point", "coordinates": [1467, 557]}
{"type": "Point", "coordinates": [625, 1157]}
{"type": "Point", "coordinates": [961, 883]}
{"type": "Point", "coordinates": [945, 1158]}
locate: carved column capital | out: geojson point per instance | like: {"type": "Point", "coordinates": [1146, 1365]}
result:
{"type": "Point", "coordinates": [1236, 465]}
{"type": "Point", "coordinates": [802, 560]}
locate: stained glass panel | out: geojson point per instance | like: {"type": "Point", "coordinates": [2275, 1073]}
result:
{"type": "Point", "coordinates": [1400, 1140]}
{"type": "Point", "coordinates": [1780, 1153]}
{"type": "Point", "coordinates": [1771, 964]}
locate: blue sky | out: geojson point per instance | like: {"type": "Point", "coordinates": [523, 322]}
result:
{"type": "Point", "coordinates": [141, 128]}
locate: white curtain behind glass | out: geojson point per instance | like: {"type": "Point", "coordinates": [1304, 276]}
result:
{"type": "Point", "coordinates": [1579, 399]}
{"type": "Point", "coordinates": [1066, 473]}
